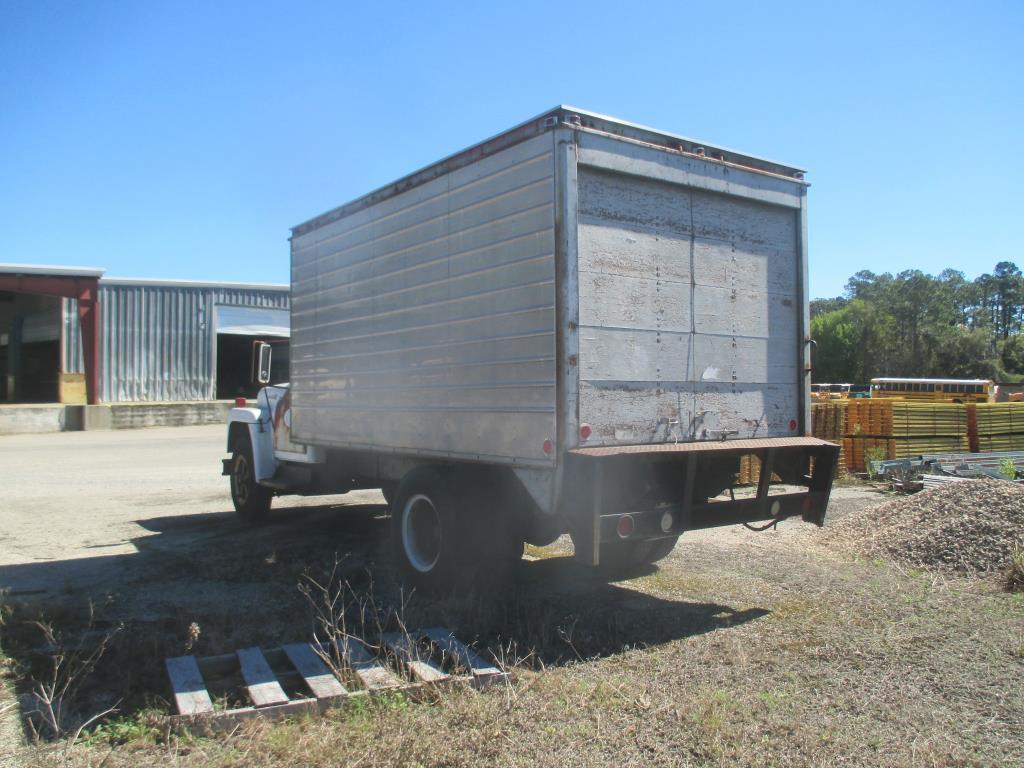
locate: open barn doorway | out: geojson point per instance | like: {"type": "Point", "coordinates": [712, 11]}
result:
{"type": "Point", "coordinates": [30, 331]}
{"type": "Point", "coordinates": [239, 331]}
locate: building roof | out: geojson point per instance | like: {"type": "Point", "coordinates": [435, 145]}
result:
{"type": "Point", "coordinates": [50, 270]}
{"type": "Point", "coordinates": [98, 272]}
{"type": "Point", "coordinates": [159, 283]}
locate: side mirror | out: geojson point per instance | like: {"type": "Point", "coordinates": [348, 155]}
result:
{"type": "Point", "coordinates": [263, 353]}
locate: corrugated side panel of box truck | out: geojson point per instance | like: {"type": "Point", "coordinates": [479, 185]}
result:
{"type": "Point", "coordinates": [423, 321]}
{"type": "Point", "coordinates": [691, 302]}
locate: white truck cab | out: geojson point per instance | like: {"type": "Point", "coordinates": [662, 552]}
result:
{"type": "Point", "coordinates": [264, 460]}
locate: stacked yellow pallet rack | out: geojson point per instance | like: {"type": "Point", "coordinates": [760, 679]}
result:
{"type": "Point", "coordinates": [999, 426]}
{"type": "Point", "coordinates": [828, 421]}
{"type": "Point", "coordinates": [895, 429]}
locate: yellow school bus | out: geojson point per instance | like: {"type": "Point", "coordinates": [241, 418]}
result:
{"type": "Point", "coordinates": [936, 390]}
{"type": "Point", "coordinates": [824, 392]}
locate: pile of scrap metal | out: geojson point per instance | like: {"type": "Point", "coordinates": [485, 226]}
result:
{"type": "Point", "coordinates": [915, 474]}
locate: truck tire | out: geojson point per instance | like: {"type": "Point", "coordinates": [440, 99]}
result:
{"type": "Point", "coordinates": [495, 532]}
{"type": "Point", "coordinates": [251, 500]}
{"type": "Point", "coordinates": [426, 534]}
{"type": "Point", "coordinates": [624, 557]}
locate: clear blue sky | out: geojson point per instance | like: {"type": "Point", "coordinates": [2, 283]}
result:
{"type": "Point", "coordinates": [182, 140]}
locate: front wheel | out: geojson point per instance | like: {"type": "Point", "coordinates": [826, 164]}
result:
{"type": "Point", "coordinates": [251, 500]}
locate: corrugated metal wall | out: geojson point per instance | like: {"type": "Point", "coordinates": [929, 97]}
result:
{"type": "Point", "coordinates": [252, 297]}
{"type": "Point", "coordinates": [158, 342]}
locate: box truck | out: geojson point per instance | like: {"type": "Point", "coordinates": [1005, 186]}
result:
{"type": "Point", "coordinates": [580, 326]}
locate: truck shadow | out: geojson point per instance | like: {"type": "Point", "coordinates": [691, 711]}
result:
{"type": "Point", "coordinates": [205, 584]}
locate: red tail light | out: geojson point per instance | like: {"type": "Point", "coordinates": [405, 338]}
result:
{"type": "Point", "coordinates": [585, 431]}
{"type": "Point", "coordinates": [239, 402]}
{"type": "Point", "coordinates": [626, 526]}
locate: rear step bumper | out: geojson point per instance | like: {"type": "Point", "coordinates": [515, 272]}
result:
{"type": "Point", "coordinates": [671, 519]}
{"type": "Point", "coordinates": [596, 525]}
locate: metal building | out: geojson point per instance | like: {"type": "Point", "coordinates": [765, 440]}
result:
{"type": "Point", "coordinates": [158, 340]}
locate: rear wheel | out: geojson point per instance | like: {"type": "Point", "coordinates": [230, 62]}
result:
{"type": "Point", "coordinates": [494, 530]}
{"type": "Point", "coordinates": [622, 557]}
{"type": "Point", "coordinates": [448, 533]}
{"type": "Point", "coordinates": [251, 500]}
{"type": "Point", "coordinates": [425, 531]}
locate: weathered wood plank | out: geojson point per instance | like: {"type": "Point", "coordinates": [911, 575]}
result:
{"type": "Point", "coordinates": [637, 412]}
{"type": "Point", "coordinates": [745, 266]}
{"type": "Point", "coordinates": [612, 155]}
{"type": "Point", "coordinates": [637, 203]}
{"type": "Point", "coordinates": [748, 410]}
{"type": "Point", "coordinates": [602, 245]}
{"type": "Point", "coordinates": [190, 694]}
{"type": "Point", "coordinates": [260, 682]}
{"type": "Point", "coordinates": [744, 360]}
{"type": "Point", "coordinates": [744, 313]}
{"type": "Point", "coordinates": [368, 668]}
{"type": "Point", "coordinates": [314, 671]}
{"type": "Point", "coordinates": [464, 656]}
{"type": "Point", "coordinates": [632, 302]}
{"type": "Point", "coordinates": [423, 669]}
{"type": "Point", "coordinates": [737, 220]}
{"type": "Point", "coordinates": [613, 354]}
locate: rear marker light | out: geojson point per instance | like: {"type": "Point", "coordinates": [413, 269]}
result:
{"type": "Point", "coordinates": [548, 447]}
{"type": "Point", "coordinates": [585, 431]}
{"type": "Point", "coordinates": [239, 402]}
{"type": "Point", "coordinates": [666, 522]}
{"type": "Point", "coordinates": [792, 425]}
{"type": "Point", "coordinates": [625, 526]}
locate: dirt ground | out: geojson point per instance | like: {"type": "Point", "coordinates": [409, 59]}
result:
{"type": "Point", "coordinates": [739, 649]}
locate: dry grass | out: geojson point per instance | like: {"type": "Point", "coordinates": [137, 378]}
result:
{"type": "Point", "coordinates": [1014, 576]}
{"type": "Point", "coordinates": [744, 649]}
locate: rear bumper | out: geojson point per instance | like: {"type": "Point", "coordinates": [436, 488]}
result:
{"type": "Point", "coordinates": [807, 463]}
{"type": "Point", "coordinates": [672, 519]}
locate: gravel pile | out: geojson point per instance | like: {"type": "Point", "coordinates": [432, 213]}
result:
{"type": "Point", "coordinates": [971, 527]}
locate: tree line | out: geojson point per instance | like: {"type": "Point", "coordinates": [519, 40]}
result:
{"type": "Point", "coordinates": [918, 325]}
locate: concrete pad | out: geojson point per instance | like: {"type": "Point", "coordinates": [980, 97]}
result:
{"type": "Point", "coordinates": [96, 417]}
{"type": "Point", "coordinates": [31, 419]}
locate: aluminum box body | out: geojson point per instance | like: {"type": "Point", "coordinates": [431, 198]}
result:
{"type": "Point", "coordinates": [575, 270]}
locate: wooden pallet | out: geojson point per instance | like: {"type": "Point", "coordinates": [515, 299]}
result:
{"type": "Point", "coordinates": [297, 678]}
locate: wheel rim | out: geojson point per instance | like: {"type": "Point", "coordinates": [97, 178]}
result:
{"type": "Point", "coordinates": [421, 533]}
{"type": "Point", "coordinates": [242, 476]}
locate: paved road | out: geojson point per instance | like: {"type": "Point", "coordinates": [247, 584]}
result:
{"type": "Point", "coordinates": [98, 496]}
